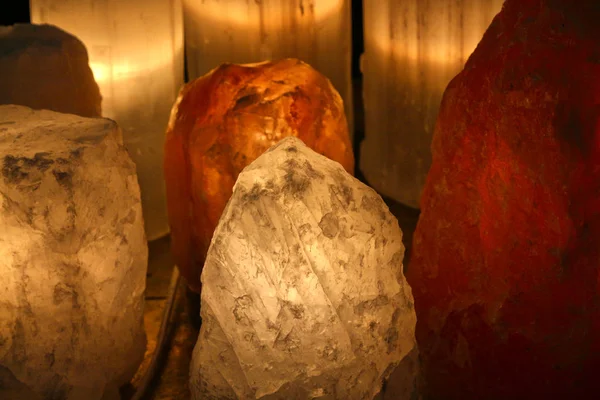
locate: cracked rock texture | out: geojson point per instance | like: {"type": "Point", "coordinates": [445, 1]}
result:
{"type": "Point", "coordinates": [303, 292]}
{"type": "Point", "coordinates": [73, 258]}
{"type": "Point", "coordinates": [505, 264]}
{"type": "Point", "coordinates": [226, 119]}
{"type": "Point", "coordinates": [44, 67]}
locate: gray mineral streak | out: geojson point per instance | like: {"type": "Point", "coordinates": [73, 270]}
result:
{"type": "Point", "coordinates": [303, 294]}
{"type": "Point", "coordinates": [73, 257]}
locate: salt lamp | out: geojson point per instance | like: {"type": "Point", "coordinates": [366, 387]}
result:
{"type": "Point", "coordinates": [44, 67]}
{"type": "Point", "coordinates": [136, 53]}
{"type": "Point", "coordinates": [241, 31]}
{"type": "Point", "coordinates": [221, 123]}
{"type": "Point", "coordinates": [413, 48]}
{"type": "Point", "coordinates": [506, 255]}
{"type": "Point", "coordinates": [303, 294]}
{"type": "Point", "coordinates": [73, 257]}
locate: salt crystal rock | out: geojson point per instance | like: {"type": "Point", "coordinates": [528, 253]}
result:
{"type": "Point", "coordinates": [303, 292]}
{"type": "Point", "coordinates": [226, 119]}
{"type": "Point", "coordinates": [73, 257]}
{"type": "Point", "coordinates": [506, 256]}
{"type": "Point", "coordinates": [44, 67]}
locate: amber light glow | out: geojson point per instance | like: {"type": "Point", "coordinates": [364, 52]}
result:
{"type": "Point", "coordinates": [240, 13]}
{"type": "Point", "coordinates": [448, 39]}
{"type": "Point", "coordinates": [137, 64]}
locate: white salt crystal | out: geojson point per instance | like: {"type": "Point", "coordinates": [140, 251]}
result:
{"type": "Point", "coordinates": [73, 257]}
{"type": "Point", "coordinates": [303, 293]}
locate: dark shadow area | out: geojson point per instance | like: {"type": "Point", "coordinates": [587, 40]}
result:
{"type": "Point", "coordinates": [14, 12]}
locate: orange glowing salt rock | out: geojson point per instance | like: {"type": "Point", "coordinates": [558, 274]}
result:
{"type": "Point", "coordinates": [222, 122]}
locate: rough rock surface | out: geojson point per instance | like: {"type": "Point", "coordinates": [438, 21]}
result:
{"type": "Point", "coordinates": [506, 255]}
{"type": "Point", "coordinates": [73, 257]}
{"type": "Point", "coordinates": [44, 67]}
{"type": "Point", "coordinates": [224, 121]}
{"type": "Point", "coordinates": [303, 292]}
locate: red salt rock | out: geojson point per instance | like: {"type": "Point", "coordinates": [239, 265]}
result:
{"type": "Point", "coordinates": [222, 122]}
{"type": "Point", "coordinates": [506, 254]}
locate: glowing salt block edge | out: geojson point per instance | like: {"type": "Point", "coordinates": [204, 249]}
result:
{"type": "Point", "coordinates": [303, 292]}
{"type": "Point", "coordinates": [136, 54]}
{"type": "Point", "coordinates": [73, 257]}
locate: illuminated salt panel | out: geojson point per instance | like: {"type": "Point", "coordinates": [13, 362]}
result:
{"type": "Point", "coordinates": [44, 67]}
{"type": "Point", "coordinates": [413, 49]}
{"type": "Point", "coordinates": [136, 54]}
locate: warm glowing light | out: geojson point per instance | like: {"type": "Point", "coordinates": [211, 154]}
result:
{"type": "Point", "coordinates": [441, 34]}
{"type": "Point", "coordinates": [249, 15]}
{"type": "Point", "coordinates": [106, 74]}
{"type": "Point", "coordinates": [439, 51]}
